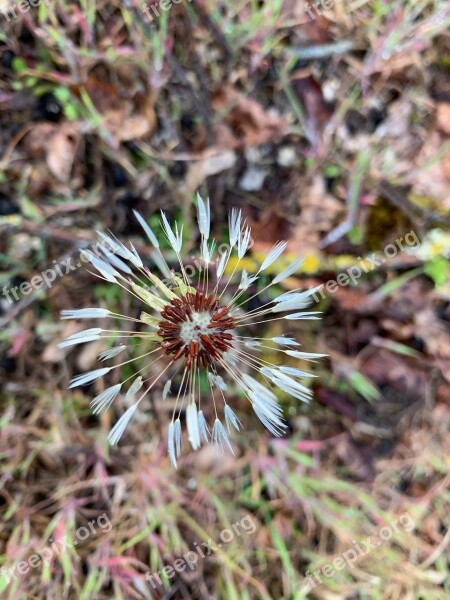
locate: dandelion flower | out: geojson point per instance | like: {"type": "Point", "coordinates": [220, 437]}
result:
{"type": "Point", "coordinates": [194, 328]}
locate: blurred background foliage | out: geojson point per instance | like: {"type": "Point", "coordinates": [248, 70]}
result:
{"type": "Point", "coordinates": [331, 132]}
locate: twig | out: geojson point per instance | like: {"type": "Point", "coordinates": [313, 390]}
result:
{"type": "Point", "coordinates": [217, 34]}
{"type": "Point", "coordinates": [399, 198]}
{"type": "Point", "coordinates": [199, 106]}
{"type": "Point", "coordinates": [321, 51]}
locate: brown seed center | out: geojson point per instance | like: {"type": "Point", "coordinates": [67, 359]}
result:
{"type": "Point", "coordinates": [197, 327]}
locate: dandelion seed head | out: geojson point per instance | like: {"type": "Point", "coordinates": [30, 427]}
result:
{"type": "Point", "coordinates": [195, 329]}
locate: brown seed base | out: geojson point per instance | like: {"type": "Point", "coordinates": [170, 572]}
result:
{"type": "Point", "coordinates": [211, 346]}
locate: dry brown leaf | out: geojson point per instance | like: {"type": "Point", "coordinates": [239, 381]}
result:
{"type": "Point", "coordinates": [443, 117]}
{"type": "Point", "coordinates": [61, 152]}
{"type": "Point", "coordinates": [400, 376]}
{"type": "Point", "coordinates": [357, 457]}
{"type": "Point", "coordinates": [205, 460]}
{"type": "Point", "coordinates": [125, 117]}
{"type": "Point", "coordinates": [432, 180]}
{"type": "Point", "coordinates": [58, 143]}
{"type": "Point", "coordinates": [319, 212]}
{"type": "Point", "coordinates": [211, 165]}
{"type": "Point", "coordinates": [433, 333]}
{"type": "Point", "coordinates": [316, 109]}
{"type": "Point", "coordinates": [393, 66]}
{"type": "Point", "coordinates": [270, 228]}
{"type": "Point", "coordinates": [248, 123]}
{"type": "Point", "coordinates": [88, 355]}
{"type": "Point", "coordinates": [349, 298]}
{"type": "Point", "coordinates": [309, 28]}
{"type": "Point", "coordinates": [52, 353]}
{"type": "Point", "coordinates": [436, 338]}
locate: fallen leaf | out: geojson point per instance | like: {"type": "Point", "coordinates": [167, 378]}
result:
{"type": "Point", "coordinates": [211, 165]}
{"type": "Point", "coordinates": [319, 212]}
{"type": "Point", "coordinates": [316, 109]}
{"type": "Point", "coordinates": [270, 228]}
{"type": "Point", "coordinates": [126, 115]}
{"type": "Point", "coordinates": [443, 117]}
{"type": "Point", "coordinates": [58, 142]}
{"type": "Point", "coordinates": [52, 353]}
{"type": "Point", "coordinates": [248, 122]}
{"type": "Point", "coordinates": [436, 337]}
{"type": "Point", "coordinates": [431, 178]}
{"type": "Point", "coordinates": [88, 355]}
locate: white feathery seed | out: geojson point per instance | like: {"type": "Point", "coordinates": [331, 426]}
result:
{"type": "Point", "coordinates": [244, 242]}
{"type": "Point", "coordinates": [305, 316]}
{"type": "Point", "coordinates": [85, 313]}
{"type": "Point", "coordinates": [247, 280]}
{"type": "Point", "coordinates": [156, 254]}
{"type": "Point", "coordinates": [134, 388]}
{"type": "Point", "coordinates": [77, 341]}
{"type": "Point", "coordinates": [218, 381]}
{"type": "Point", "coordinates": [175, 239]}
{"type": "Point", "coordinates": [231, 419]}
{"type": "Point", "coordinates": [111, 353]}
{"type": "Point", "coordinates": [272, 256]}
{"type": "Point", "coordinates": [104, 400]}
{"type": "Point", "coordinates": [256, 386]}
{"type": "Point", "coordinates": [82, 337]}
{"type": "Point", "coordinates": [205, 432]}
{"type": "Point", "coordinates": [292, 268]}
{"type": "Point", "coordinates": [171, 444]}
{"type": "Point", "coordinates": [304, 355]}
{"type": "Point", "coordinates": [117, 431]}
{"type": "Point", "coordinates": [234, 224]}
{"type": "Point", "coordinates": [120, 249]}
{"type": "Point", "coordinates": [271, 421]}
{"type": "Point", "coordinates": [88, 377]}
{"type": "Point", "coordinates": [178, 436]}
{"type": "Point", "coordinates": [288, 380]}
{"type": "Point", "coordinates": [255, 344]}
{"type": "Point", "coordinates": [203, 216]}
{"type": "Point", "coordinates": [283, 341]}
{"type": "Point", "coordinates": [161, 263]}
{"type": "Point", "coordinates": [102, 267]}
{"type": "Point", "coordinates": [166, 389]}
{"type": "Point", "coordinates": [295, 372]}
{"type": "Point", "coordinates": [192, 426]}
{"type": "Point", "coordinates": [116, 261]}
{"type": "Point", "coordinates": [294, 301]}
{"type": "Point", "coordinates": [148, 232]}
{"type": "Point", "coordinates": [207, 251]}
{"type": "Point", "coordinates": [220, 437]}
{"type": "Point", "coordinates": [112, 245]}
{"type": "Point", "coordinates": [221, 264]}
{"type": "Point", "coordinates": [135, 258]}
